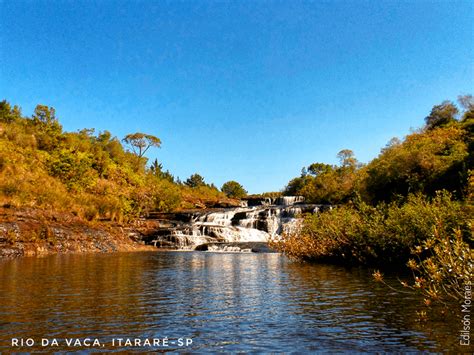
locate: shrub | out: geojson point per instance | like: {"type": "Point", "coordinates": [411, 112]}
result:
{"type": "Point", "coordinates": [384, 235]}
{"type": "Point", "coordinates": [444, 264]}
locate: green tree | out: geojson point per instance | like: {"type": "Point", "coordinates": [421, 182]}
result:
{"type": "Point", "coordinates": [73, 168]}
{"type": "Point", "coordinates": [195, 180]}
{"type": "Point", "coordinates": [233, 189]}
{"type": "Point", "coordinates": [111, 145]}
{"type": "Point", "coordinates": [295, 185]}
{"type": "Point", "coordinates": [44, 114]}
{"type": "Point", "coordinates": [423, 162]}
{"type": "Point", "coordinates": [141, 142]}
{"type": "Point", "coordinates": [48, 128]}
{"type": "Point", "coordinates": [317, 169]}
{"type": "Point", "coordinates": [325, 183]}
{"type": "Point", "coordinates": [7, 113]}
{"type": "Point", "coordinates": [441, 115]}
{"type": "Point", "coordinates": [157, 170]}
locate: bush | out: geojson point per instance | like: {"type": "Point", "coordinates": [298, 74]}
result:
{"type": "Point", "coordinates": [444, 264]}
{"type": "Point", "coordinates": [384, 235]}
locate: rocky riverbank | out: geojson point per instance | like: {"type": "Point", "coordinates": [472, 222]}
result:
{"type": "Point", "coordinates": [28, 232]}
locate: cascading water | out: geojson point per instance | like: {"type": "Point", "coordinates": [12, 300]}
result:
{"type": "Point", "coordinates": [259, 223]}
{"type": "Point", "coordinates": [289, 200]}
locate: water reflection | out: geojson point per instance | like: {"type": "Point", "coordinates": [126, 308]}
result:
{"type": "Point", "coordinates": [254, 302]}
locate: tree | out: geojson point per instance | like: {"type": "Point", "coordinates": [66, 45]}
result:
{"type": "Point", "coordinates": [7, 113]}
{"type": "Point", "coordinates": [195, 180]}
{"type": "Point", "coordinates": [392, 143]}
{"type": "Point", "coordinates": [111, 145]}
{"type": "Point", "coordinates": [141, 142]}
{"type": "Point", "coordinates": [441, 115]}
{"type": "Point", "coordinates": [467, 118]}
{"type": "Point", "coordinates": [157, 170]}
{"type": "Point", "coordinates": [233, 189]}
{"type": "Point", "coordinates": [347, 158]}
{"type": "Point", "coordinates": [325, 183]}
{"type": "Point", "coordinates": [466, 102]}
{"type": "Point", "coordinates": [317, 169]}
{"type": "Point", "coordinates": [423, 162]}
{"type": "Point", "coordinates": [44, 114]}
{"type": "Point", "coordinates": [295, 185]}
{"type": "Point", "coordinates": [49, 130]}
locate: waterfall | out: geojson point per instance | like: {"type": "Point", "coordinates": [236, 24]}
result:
{"type": "Point", "coordinates": [289, 200]}
{"type": "Point", "coordinates": [266, 219]}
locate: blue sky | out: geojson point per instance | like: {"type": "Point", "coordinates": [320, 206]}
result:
{"type": "Point", "coordinates": [239, 90]}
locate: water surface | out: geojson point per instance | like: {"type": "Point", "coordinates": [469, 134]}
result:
{"type": "Point", "coordinates": [223, 302]}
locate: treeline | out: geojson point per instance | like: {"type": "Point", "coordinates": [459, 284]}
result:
{"type": "Point", "coordinates": [436, 157]}
{"type": "Point", "coordinates": [411, 206]}
{"type": "Point", "coordinates": [91, 175]}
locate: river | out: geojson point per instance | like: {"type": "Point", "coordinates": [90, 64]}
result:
{"type": "Point", "coordinates": [219, 301]}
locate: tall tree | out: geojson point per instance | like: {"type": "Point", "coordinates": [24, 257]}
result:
{"type": "Point", "coordinates": [347, 158]}
{"type": "Point", "coordinates": [141, 142]}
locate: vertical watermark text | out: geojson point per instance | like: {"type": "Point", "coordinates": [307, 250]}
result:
{"type": "Point", "coordinates": [465, 336]}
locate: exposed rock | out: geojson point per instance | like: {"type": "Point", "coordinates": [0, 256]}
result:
{"type": "Point", "coordinates": [248, 247]}
{"type": "Point", "coordinates": [225, 204]}
{"type": "Point", "coordinates": [36, 232]}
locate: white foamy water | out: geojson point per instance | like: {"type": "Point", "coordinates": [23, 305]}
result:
{"type": "Point", "coordinates": [242, 224]}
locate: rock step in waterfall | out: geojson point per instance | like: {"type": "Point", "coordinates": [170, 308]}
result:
{"type": "Point", "coordinates": [259, 221]}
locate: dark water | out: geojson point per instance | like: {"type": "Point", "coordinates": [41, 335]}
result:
{"type": "Point", "coordinates": [223, 302]}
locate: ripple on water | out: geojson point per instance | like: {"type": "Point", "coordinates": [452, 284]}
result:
{"type": "Point", "coordinates": [227, 302]}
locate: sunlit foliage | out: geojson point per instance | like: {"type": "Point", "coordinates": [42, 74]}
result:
{"type": "Point", "coordinates": [436, 157]}
{"type": "Point", "coordinates": [411, 206]}
{"type": "Point", "coordinates": [88, 174]}
{"type": "Point", "coordinates": [233, 189]}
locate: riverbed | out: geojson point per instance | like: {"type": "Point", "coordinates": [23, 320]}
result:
{"type": "Point", "coordinates": [203, 301]}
